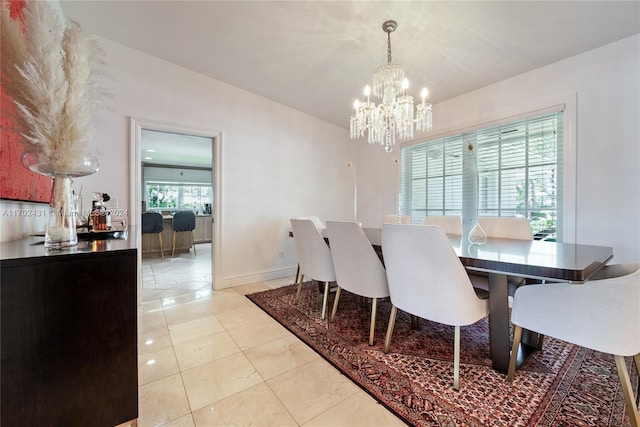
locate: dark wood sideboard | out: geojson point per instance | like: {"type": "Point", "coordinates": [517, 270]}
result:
{"type": "Point", "coordinates": [68, 334]}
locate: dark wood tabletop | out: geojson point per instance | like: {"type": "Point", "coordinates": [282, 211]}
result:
{"type": "Point", "coordinates": [536, 259]}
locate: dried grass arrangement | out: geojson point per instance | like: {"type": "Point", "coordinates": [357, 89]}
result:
{"type": "Point", "coordinates": [52, 72]}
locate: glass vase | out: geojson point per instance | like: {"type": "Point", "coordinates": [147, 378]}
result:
{"type": "Point", "coordinates": [61, 224]}
{"type": "Point", "coordinates": [477, 235]}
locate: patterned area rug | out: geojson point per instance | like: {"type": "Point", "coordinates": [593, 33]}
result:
{"type": "Point", "coordinates": [562, 385]}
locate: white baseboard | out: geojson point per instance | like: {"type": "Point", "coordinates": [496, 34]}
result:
{"type": "Point", "coordinates": [228, 282]}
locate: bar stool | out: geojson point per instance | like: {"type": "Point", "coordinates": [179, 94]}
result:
{"type": "Point", "coordinates": [153, 223]}
{"type": "Point", "coordinates": [184, 221]}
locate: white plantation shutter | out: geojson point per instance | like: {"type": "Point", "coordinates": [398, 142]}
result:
{"type": "Point", "coordinates": [519, 173]}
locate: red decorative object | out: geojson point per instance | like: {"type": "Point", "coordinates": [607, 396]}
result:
{"type": "Point", "coordinates": [15, 9]}
{"type": "Point", "coordinates": [16, 182]}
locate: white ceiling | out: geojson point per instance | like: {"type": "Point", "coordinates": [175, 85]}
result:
{"type": "Point", "coordinates": [316, 56]}
{"type": "Point", "coordinates": [163, 148]}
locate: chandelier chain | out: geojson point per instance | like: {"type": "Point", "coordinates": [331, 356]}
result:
{"type": "Point", "coordinates": [389, 47]}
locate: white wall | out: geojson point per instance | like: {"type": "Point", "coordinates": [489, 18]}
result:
{"type": "Point", "coordinates": [277, 162]}
{"type": "Point", "coordinates": [605, 83]}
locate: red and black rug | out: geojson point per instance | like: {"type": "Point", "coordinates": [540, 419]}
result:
{"type": "Point", "coordinates": [561, 385]}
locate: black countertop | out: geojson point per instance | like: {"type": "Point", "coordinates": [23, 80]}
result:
{"type": "Point", "coordinates": [33, 247]}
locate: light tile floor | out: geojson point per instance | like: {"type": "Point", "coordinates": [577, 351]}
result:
{"type": "Point", "coordinates": [212, 358]}
{"type": "Point", "coordinates": [176, 275]}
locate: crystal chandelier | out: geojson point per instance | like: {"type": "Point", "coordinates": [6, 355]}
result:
{"type": "Point", "coordinates": [395, 114]}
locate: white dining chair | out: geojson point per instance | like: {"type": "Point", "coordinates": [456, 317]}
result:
{"type": "Point", "coordinates": [317, 222]}
{"type": "Point", "coordinates": [427, 279]}
{"type": "Point", "coordinates": [357, 266]}
{"type": "Point", "coordinates": [314, 257]}
{"type": "Point", "coordinates": [601, 315]}
{"type": "Point", "coordinates": [616, 270]}
{"type": "Point", "coordinates": [450, 224]}
{"type": "Point", "coordinates": [319, 225]}
{"type": "Point", "coordinates": [393, 219]}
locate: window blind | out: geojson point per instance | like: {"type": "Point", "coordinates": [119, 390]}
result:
{"type": "Point", "coordinates": [511, 169]}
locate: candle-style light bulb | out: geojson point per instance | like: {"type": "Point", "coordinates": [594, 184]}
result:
{"type": "Point", "coordinates": [405, 86]}
{"type": "Point", "coordinates": [424, 94]}
{"type": "Point", "coordinates": [356, 104]}
{"type": "Point", "coordinates": [367, 92]}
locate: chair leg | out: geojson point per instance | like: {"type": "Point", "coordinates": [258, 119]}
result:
{"type": "Point", "coordinates": [372, 325]}
{"type": "Point", "coordinates": [627, 390]}
{"type": "Point", "coordinates": [324, 300]}
{"type": "Point", "coordinates": [456, 358]}
{"type": "Point", "coordinates": [173, 245]}
{"type": "Point", "coordinates": [161, 244]}
{"type": "Point", "coordinates": [193, 242]}
{"type": "Point", "coordinates": [362, 302]}
{"type": "Point", "coordinates": [335, 304]}
{"type": "Point", "coordinates": [415, 322]}
{"type": "Point", "coordinates": [297, 298]}
{"type": "Point", "coordinates": [517, 336]}
{"type": "Point", "coordinates": [297, 274]}
{"type": "Point", "coordinates": [392, 322]}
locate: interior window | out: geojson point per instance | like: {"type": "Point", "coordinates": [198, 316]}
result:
{"type": "Point", "coordinates": [178, 196]}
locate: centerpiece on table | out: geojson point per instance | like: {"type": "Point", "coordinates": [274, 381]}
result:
{"type": "Point", "coordinates": [52, 73]}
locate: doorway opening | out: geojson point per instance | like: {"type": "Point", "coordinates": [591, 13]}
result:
{"type": "Point", "coordinates": [175, 169]}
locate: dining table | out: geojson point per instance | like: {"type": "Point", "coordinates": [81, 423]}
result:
{"type": "Point", "coordinates": [535, 260]}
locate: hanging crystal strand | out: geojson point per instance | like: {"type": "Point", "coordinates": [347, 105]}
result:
{"type": "Point", "coordinates": [352, 127]}
{"type": "Point", "coordinates": [389, 140]}
{"type": "Point", "coordinates": [423, 112]}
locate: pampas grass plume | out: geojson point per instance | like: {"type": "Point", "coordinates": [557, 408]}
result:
{"type": "Point", "coordinates": [54, 83]}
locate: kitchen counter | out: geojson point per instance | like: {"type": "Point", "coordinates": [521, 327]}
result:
{"type": "Point", "coordinates": [201, 234]}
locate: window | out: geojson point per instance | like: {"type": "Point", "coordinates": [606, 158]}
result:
{"type": "Point", "coordinates": [178, 196]}
{"type": "Point", "coordinates": [513, 169]}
